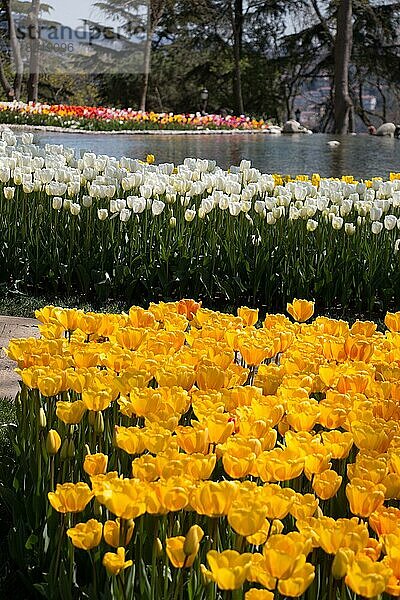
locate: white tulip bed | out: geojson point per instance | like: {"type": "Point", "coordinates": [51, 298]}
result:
{"type": "Point", "coordinates": [103, 226]}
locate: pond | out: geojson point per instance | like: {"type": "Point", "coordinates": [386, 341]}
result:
{"type": "Point", "coordinates": [363, 156]}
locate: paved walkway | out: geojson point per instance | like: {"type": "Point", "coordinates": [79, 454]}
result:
{"type": "Point", "coordinates": [12, 327]}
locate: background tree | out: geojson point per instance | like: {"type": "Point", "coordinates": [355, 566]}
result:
{"type": "Point", "coordinates": [343, 48]}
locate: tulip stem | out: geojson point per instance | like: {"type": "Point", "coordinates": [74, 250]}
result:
{"type": "Point", "coordinates": [52, 473]}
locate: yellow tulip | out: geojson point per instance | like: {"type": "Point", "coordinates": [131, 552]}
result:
{"type": "Point", "coordinates": [246, 519]}
{"type": "Point", "coordinates": [326, 484]}
{"type": "Point", "coordinates": [129, 439]}
{"type": "Point", "coordinates": [115, 562]}
{"type": "Point", "coordinates": [193, 439]}
{"type": "Point", "coordinates": [299, 581]}
{"type": "Point", "coordinates": [229, 568]}
{"type": "Point", "coordinates": [68, 317]}
{"type": "Point", "coordinates": [192, 540]}
{"type": "Point", "coordinates": [144, 468]}
{"type": "Point", "coordinates": [112, 532]}
{"type": "Point", "coordinates": [364, 496]}
{"type": "Point", "coordinates": [97, 400]}
{"type": "Point", "coordinates": [70, 413]}
{"type": "Point", "coordinates": [300, 310]}
{"type": "Point", "coordinates": [343, 533]}
{"type": "Point", "coordinates": [249, 315]}
{"type": "Point", "coordinates": [70, 497]}
{"type": "Point", "coordinates": [213, 498]}
{"type": "Point", "coordinates": [53, 442]}
{"type": "Point", "coordinates": [95, 464]}
{"type": "Point", "coordinates": [386, 519]}
{"type": "Point", "coordinates": [341, 562]}
{"type": "Point", "coordinates": [283, 556]}
{"type": "Point", "coordinates": [50, 385]}
{"type": "Point", "coordinates": [358, 348]}
{"type": "Point", "coordinates": [86, 535]}
{"type": "Point", "coordinates": [366, 577]}
{"type": "Point", "coordinates": [254, 594]}
{"type": "Point", "coordinates": [181, 550]}
{"type": "Point", "coordinates": [392, 321]}
{"type": "Point", "coordinates": [210, 377]}
{"type": "Point", "coordinates": [125, 498]}
{"type": "Point", "coordinates": [220, 426]}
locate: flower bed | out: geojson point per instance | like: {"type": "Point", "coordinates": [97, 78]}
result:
{"type": "Point", "coordinates": [116, 119]}
{"type": "Point", "coordinates": [177, 452]}
{"type": "Point", "coordinates": [102, 226]}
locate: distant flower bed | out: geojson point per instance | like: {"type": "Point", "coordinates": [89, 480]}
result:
{"type": "Point", "coordinates": [110, 119]}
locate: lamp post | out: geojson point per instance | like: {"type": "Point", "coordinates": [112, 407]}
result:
{"type": "Point", "coordinates": [204, 99]}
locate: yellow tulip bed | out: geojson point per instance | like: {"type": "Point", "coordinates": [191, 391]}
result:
{"type": "Point", "coordinates": [178, 452]}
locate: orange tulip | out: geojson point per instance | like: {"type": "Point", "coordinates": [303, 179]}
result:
{"type": "Point", "coordinates": [300, 310]}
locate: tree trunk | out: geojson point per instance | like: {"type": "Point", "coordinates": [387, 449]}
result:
{"type": "Point", "coordinates": [237, 26]}
{"type": "Point", "coordinates": [155, 12]}
{"type": "Point", "coordinates": [13, 91]}
{"type": "Point", "coordinates": [343, 48]}
{"type": "Point", "coordinates": [5, 84]}
{"type": "Point", "coordinates": [15, 52]}
{"type": "Point", "coordinates": [147, 59]}
{"type": "Point", "coordinates": [33, 81]}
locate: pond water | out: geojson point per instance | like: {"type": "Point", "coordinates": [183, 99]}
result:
{"type": "Point", "coordinates": [363, 156]}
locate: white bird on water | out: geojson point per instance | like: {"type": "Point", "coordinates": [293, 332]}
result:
{"type": "Point", "coordinates": [333, 143]}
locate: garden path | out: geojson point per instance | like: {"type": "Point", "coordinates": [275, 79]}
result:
{"type": "Point", "coordinates": [12, 327]}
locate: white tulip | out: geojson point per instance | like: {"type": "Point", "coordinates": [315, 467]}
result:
{"type": "Point", "coordinates": [27, 138]}
{"type": "Point", "coordinates": [157, 207]}
{"type": "Point", "coordinates": [87, 201]}
{"type": "Point", "coordinates": [349, 228]}
{"type": "Point", "coordinates": [138, 205]}
{"type": "Point", "coordinates": [322, 203]}
{"type": "Point", "coordinates": [346, 207]}
{"type": "Point", "coordinates": [337, 222]}
{"type": "Point", "coordinates": [67, 204]}
{"type": "Point", "coordinates": [376, 227]}
{"type": "Point", "coordinates": [312, 225]}
{"type": "Point", "coordinates": [124, 215]}
{"type": "Point", "coordinates": [259, 207]}
{"type": "Point", "coordinates": [9, 193]}
{"type": "Point", "coordinates": [28, 187]}
{"type": "Point", "coordinates": [5, 175]}
{"type": "Point", "coordinates": [75, 209]}
{"type": "Point", "coordinates": [270, 218]}
{"type": "Point", "coordinates": [390, 222]}
{"type": "Point", "coordinates": [396, 246]}
{"type": "Point", "coordinates": [234, 208]}
{"type": "Point", "coordinates": [375, 213]}
{"type": "Point", "coordinates": [146, 191]}
{"type": "Point", "coordinates": [189, 215]}
{"type": "Point", "coordinates": [57, 203]}
{"type": "Point", "coordinates": [102, 214]}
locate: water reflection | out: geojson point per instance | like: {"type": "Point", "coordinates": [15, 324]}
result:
{"type": "Point", "coordinates": [338, 160]}
{"type": "Point", "coordinates": [362, 156]}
